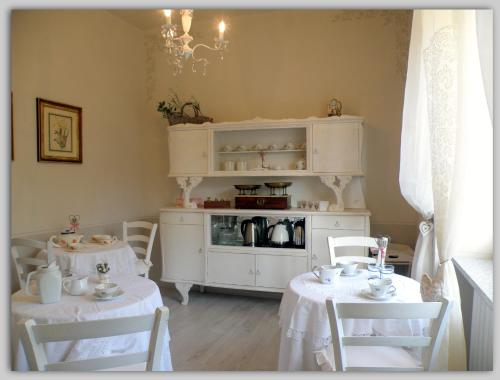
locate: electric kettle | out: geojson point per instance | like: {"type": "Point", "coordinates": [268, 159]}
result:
{"type": "Point", "coordinates": [299, 234]}
{"type": "Point", "coordinates": [249, 232]}
{"type": "Point", "coordinates": [261, 225]}
{"type": "Point", "coordinates": [278, 234]}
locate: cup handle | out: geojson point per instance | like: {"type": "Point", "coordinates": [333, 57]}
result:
{"type": "Point", "coordinates": [392, 289]}
{"type": "Point", "coordinates": [314, 271]}
{"type": "Point", "coordinates": [64, 283]}
{"type": "Point", "coordinates": [27, 285]}
{"type": "Point", "coordinates": [52, 241]}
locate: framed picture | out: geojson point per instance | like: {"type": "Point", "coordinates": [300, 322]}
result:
{"type": "Point", "coordinates": [59, 131]}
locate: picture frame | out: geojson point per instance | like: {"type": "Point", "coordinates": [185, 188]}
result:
{"type": "Point", "coordinates": [59, 132]}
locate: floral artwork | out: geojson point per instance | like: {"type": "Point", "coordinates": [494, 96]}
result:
{"type": "Point", "coordinates": [59, 131]}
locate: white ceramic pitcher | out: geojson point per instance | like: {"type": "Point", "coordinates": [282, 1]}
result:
{"type": "Point", "coordinates": [48, 281]}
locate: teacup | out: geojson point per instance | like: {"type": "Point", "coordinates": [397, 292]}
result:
{"type": "Point", "coordinates": [289, 146]}
{"type": "Point", "coordinates": [380, 287]}
{"type": "Point", "coordinates": [229, 166]}
{"type": "Point", "coordinates": [75, 285]}
{"type": "Point", "coordinates": [241, 148]}
{"type": "Point", "coordinates": [326, 273]}
{"type": "Point", "coordinates": [348, 267]}
{"type": "Point", "coordinates": [227, 148]}
{"type": "Point", "coordinates": [258, 147]}
{"type": "Point", "coordinates": [106, 289]}
{"type": "Point", "coordinates": [323, 205]}
{"type": "Point", "coordinates": [273, 147]}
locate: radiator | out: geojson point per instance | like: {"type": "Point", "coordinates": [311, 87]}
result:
{"type": "Point", "coordinates": [481, 334]}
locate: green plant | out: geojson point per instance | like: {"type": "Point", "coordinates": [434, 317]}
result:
{"type": "Point", "coordinates": [174, 104]}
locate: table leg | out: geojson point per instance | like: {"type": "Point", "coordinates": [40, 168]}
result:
{"type": "Point", "coordinates": [183, 288]}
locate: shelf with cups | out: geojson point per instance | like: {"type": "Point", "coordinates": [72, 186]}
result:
{"type": "Point", "coordinates": [263, 151]}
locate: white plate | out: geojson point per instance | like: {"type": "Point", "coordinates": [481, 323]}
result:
{"type": "Point", "coordinates": [113, 296]}
{"type": "Point", "coordinates": [367, 293]}
{"type": "Point", "coordinates": [358, 271]}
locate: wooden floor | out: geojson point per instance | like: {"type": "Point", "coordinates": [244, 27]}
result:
{"type": "Point", "coordinates": [223, 332]}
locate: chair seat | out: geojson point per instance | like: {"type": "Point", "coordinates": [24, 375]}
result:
{"type": "Point", "coordinates": [382, 357]}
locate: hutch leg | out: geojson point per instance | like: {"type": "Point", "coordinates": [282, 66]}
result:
{"type": "Point", "coordinates": [183, 288]}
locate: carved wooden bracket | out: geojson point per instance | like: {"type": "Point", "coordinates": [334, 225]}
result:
{"type": "Point", "coordinates": [183, 288]}
{"type": "Point", "coordinates": [187, 184]}
{"type": "Point", "coordinates": [337, 183]}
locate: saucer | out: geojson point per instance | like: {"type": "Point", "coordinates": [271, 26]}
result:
{"type": "Point", "coordinates": [367, 293]}
{"type": "Point", "coordinates": [357, 272]}
{"type": "Point", "coordinates": [113, 296]}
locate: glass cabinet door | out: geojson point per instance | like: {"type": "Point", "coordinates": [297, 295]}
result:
{"type": "Point", "coordinates": [258, 231]}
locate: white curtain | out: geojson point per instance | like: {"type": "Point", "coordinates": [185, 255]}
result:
{"type": "Point", "coordinates": [446, 154]}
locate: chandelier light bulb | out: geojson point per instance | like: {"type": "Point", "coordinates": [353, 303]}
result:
{"type": "Point", "coordinates": [222, 28]}
{"type": "Point", "coordinates": [168, 15]}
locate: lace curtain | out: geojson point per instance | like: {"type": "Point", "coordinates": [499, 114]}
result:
{"type": "Point", "coordinates": [446, 154]}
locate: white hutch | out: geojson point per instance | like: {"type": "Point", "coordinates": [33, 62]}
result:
{"type": "Point", "coordinates": [331, 149]}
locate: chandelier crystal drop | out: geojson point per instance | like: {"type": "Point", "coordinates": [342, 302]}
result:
{"type": "Point", "coordinates": [177, 45]}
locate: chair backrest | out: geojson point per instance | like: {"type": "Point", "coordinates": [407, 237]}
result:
{"type": "Point", "coordinates": [23, 253]}
{"type": "Point", "coordinates": [34, 336]}
{"type": "Point", "coordinates": [350, 241]}
{"type": "Point", "coordinates": [438, 312]}
{"type": "Point", "coordinates": [142, 244]}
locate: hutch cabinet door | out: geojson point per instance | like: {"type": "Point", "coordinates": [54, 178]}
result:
{"type": "Point", "coordinates": [320, 253]}
{"type": "Point", "coordinates": [336, 148]}
{"type": "Point", "coordinates": [188, 151]}
{"type": "Point", "coordinates": [231, 268]}
{"type": "Point", "coordinates": [274, 271]}
{"type": "Point", "coordinates": [182, 252]}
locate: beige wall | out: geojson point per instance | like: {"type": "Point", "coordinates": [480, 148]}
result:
{"type": "Point", "coordinates": [96, 61]}
{"type": "Point", "coordinates": [289, 64]}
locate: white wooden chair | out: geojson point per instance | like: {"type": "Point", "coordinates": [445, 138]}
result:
{"type": "Point", "coordinates": [351, 241]}
{"type": "Point", "coordinates": [386, 353]}
{"type": "Point", "coordinates": [23, 253]}
{"type": "Point", "coordinates": [33, 337]}
{"type": "Point", "coordinates": [141, 244]}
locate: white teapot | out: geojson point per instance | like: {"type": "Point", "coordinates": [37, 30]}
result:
{"type": "Point", "coordinates": [48, 281]}
{"type": "Point", "coordinates": [65, 240]}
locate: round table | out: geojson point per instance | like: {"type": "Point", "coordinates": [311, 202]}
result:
{"type": "Point", "coordinates": [304, 320]}
{"type": "Point", "coordinates": [120, 257]}
{"type": "Point", "coordinates": [141, 296]}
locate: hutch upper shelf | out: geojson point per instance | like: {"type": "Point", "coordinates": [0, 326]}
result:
{"type": "Point", "coordinates": [261, 147]}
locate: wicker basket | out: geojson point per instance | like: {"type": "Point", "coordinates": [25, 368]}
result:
{"type": "Point", "coordinates": [182, 118]}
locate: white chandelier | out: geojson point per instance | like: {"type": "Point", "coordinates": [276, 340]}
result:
{"type": "Point", "coordinates": [177, 46]}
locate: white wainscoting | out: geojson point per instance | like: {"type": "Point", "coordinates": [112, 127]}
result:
{"type": "Point", "coordinates": [475, 278]}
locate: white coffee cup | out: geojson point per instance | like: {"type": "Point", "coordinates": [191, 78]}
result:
{"type": "Point", "coordinates": [106, 289]}
{"type": "Point", "coordinates": [229, 165]}
{"type": "Point", "coordinates": [381, 287]}
{"type": "Point", "coordinates": [323, 205]}
{"type": "Point", "coordinates": [241, 166]}
{"type": "Point", "coordinates": [326, 273]}
{"type": "Point", "coordinates": [348, 267]}
{"type": "Point", "coordinates": [75, 285]}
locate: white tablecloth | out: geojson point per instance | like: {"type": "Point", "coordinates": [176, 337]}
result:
{"type": "Point", "coordinates": [304, 320]}
{"type": "Point", "coordinates": [120, 257]}
{"type": "Point", "coordinates": [141, 296]}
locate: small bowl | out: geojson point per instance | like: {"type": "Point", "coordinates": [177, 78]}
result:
{"type": "Point", "coordinates": [227, 148]}
{"type": "Point", "coordinates": [349, 267]}
{"type": "Point", "coordinates": [105, 290]}
{"type": "Point", "coordinates": [241, 148]}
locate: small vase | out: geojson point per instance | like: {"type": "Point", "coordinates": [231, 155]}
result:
{"type": "Point", "coordinates": [103, 278]}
